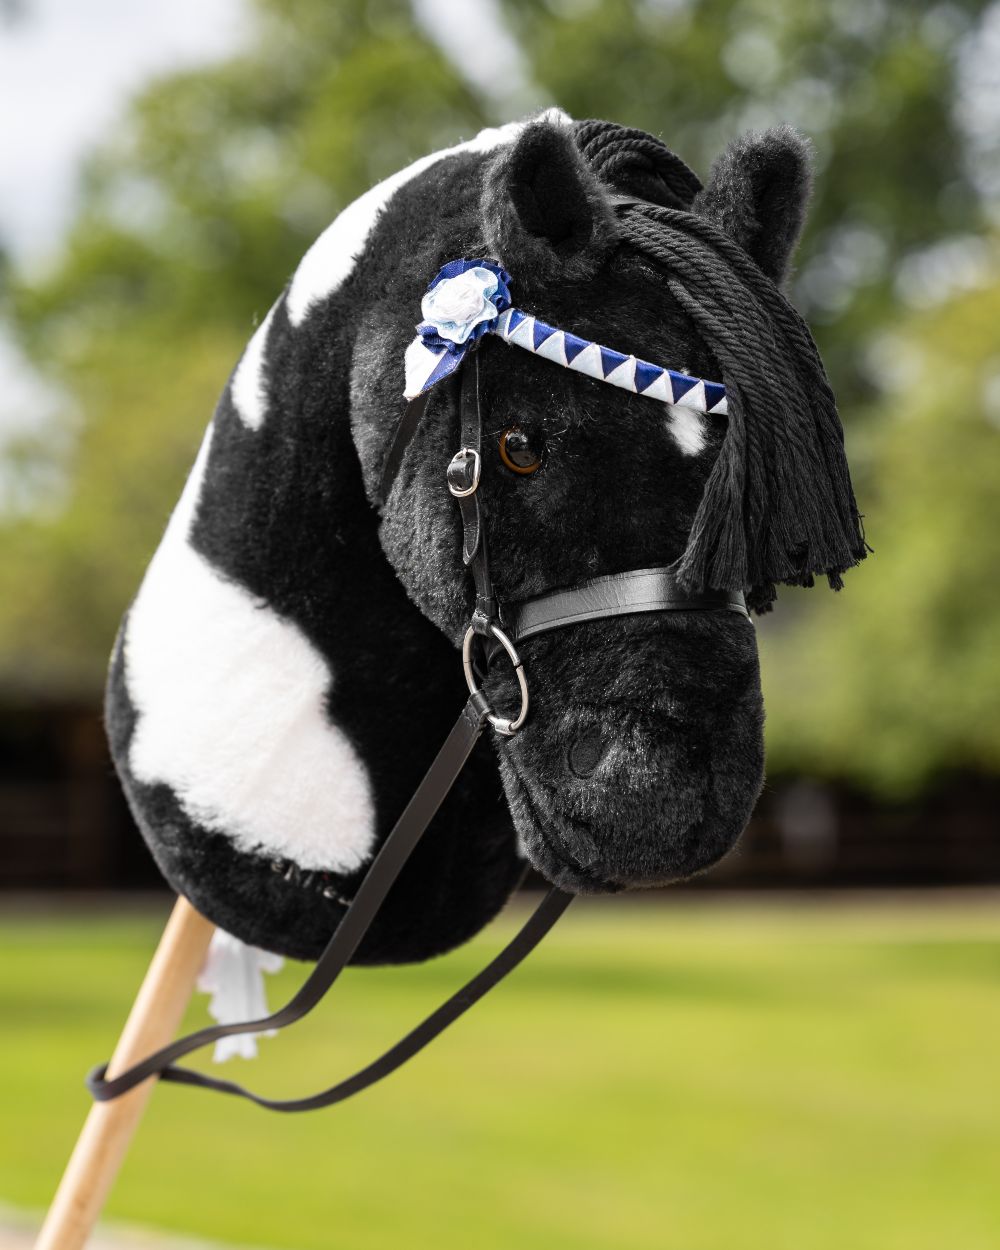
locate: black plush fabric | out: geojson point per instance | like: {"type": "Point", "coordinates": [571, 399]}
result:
{"type": "Point", "coordinates": [643, 754]}
{"type": "Point", "coordinates": [542, 205]}
{"type": "Point", "coordinates": [758, 192]}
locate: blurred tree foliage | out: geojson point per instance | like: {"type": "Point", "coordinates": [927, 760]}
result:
{"type": "Point", "coordinates": [197, 208]}
{"type": "Point", "coordinates": [898, 679]}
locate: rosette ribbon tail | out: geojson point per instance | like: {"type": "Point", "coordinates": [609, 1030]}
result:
{"type": "Point", "coordinates": [426, 366]}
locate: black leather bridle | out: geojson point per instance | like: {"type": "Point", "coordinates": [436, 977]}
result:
{"type": "Point", "coordinates": [503, 626]}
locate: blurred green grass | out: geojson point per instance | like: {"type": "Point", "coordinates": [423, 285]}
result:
{"type": "Point", "coordinates": [705, 1075]}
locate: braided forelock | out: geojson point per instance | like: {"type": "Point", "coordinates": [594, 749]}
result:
{"type": "Point", "coordinates": [633, 160]}
{"type": "Point", "coordinates": [778, 505]}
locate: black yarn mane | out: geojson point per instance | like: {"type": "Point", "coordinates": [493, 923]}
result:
{"type": "Point", "coordinates": [779, 506]}
{"type": "Point", "coordinates": [635, 162]}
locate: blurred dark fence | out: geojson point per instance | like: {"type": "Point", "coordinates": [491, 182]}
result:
{"type": "Point", "coordinates": [64, 823]}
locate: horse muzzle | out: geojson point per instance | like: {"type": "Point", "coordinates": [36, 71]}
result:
{"type": "Point", "coordinates": [643, 756]}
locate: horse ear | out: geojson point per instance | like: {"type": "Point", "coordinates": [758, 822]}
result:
{"type": "Point", "coordinates": [545, 212]}
{"type": "Point", "coordinates": [758, 191]}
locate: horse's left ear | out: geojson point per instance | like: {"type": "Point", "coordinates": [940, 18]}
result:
{"type": "Point", "coordinates": [758, 191]}
{"type": "Point", "coordinates": [544, 210]}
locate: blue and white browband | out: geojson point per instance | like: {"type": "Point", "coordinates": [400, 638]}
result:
{"type": "Point", "coordinates": [470, 298]}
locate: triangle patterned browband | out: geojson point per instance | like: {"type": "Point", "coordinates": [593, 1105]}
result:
{"type": "Point", "coordinates": [469, 298]}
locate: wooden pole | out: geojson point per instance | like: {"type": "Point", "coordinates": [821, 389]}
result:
{"type": "Point", "coordinates": [153, 1021]}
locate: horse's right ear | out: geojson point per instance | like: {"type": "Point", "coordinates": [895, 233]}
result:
{"type": "Point", "coordinates": [758, 192]}
{"type": "Point", "coordinates": [546, 214]}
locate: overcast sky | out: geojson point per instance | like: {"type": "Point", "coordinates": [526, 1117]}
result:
{"type": "Point", "coordinates": [67, 67]}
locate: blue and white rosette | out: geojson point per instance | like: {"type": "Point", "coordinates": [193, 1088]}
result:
{"type": "Point", "coordinates": [470, 298]}
{"type": "Point", "coordinates": [461, 305]}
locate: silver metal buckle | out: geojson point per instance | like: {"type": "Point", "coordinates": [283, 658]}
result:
{"type": "Point", "coordinates": [477, 468]}
{"type": "Point", "coordinates": [506, 727]}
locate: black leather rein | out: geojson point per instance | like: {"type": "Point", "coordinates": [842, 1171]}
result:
{"type": "Point", "coordinates": [640, 590]}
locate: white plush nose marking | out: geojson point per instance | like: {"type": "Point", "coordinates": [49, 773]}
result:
{"type": "Point", "coordinates": [687, 428]}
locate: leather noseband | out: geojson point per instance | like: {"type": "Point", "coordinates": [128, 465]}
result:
{"type": "Point", "coordinates": [616, 594]}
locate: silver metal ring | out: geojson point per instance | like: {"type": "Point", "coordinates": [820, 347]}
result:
{"type": "Point", "coordinates": [477, 469]}
{"type": "Point", "coordinates": [502, 726]}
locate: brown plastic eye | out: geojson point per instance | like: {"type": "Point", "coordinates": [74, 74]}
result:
{"type": "Point", "coordinates": [518, 451]}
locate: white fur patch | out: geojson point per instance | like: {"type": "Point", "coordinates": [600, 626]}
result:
{"type": "Point", "coordinates": [687, 428]}
{"type": "Point", "coordinates": [332, 257]}
{"type": "Point", "coordinates": [247, 386]}
{"type": "Point", "coordinates": [230, 700]}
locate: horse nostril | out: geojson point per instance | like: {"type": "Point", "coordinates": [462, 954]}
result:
{"type": "Point", "coordinates": [585, 753]}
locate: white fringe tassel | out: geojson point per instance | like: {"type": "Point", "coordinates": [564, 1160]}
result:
{"type": "Point", "coordinates": [234, 976]}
